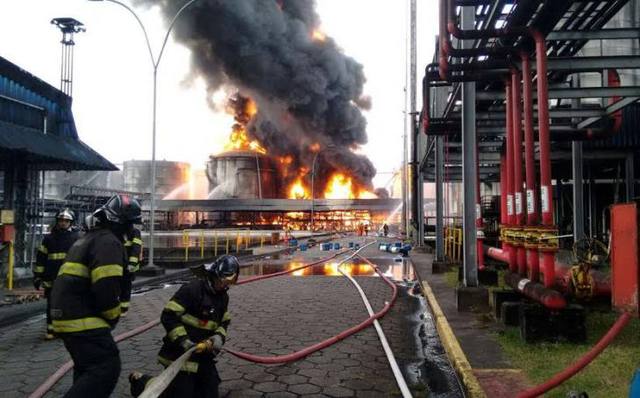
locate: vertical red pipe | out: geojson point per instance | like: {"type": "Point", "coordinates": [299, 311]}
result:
{"type": "Point", "coordinates": [533, 260]}
{"type": "Point", "coordinates": [479, 223]}
{"type": "Point", "coordinates": [521, 258]}
{"type": "Point", "coordinates": [546, 199]}
{"type": "Point", "coordinates": [503, 194]}
{"type": "Point", "coordinates": [509, 169]}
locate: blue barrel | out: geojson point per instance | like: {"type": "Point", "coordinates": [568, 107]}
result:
{"type": "Point", "coordinates": [397, 244]}
{"type": "Point", "coordinates": [303, 247]}
{"type": "Point", "coordinates": [356, 246]}
{"type": "Point", "coordinates": [325, 246]}
{"type": "Point", "coordinates": [350, 245]}
{"type": "Point", "coordinates": [293, 242]}
{"type": "Point", "coordinates": [336, 246]}
{"type": "Point", "coordinates": [634, 390]}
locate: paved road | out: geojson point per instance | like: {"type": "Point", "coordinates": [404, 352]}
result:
{"type": "Point", "coordinates": [271, 317]}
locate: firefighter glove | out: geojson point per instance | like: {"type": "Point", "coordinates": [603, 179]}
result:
{"type": "Point", "coordinates": [186, 344]}
{"type": "Point", "coordinates": [36, 283]}
{"type": "Point", "coordinates": [217, 342]}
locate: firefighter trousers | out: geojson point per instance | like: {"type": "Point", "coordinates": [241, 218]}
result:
{"type": "Point", "coordinates": [47, 296]}
{"type": "Point", "coordinates": [203, 384]}
{"type": "Point", "coordinates": [96, 363]}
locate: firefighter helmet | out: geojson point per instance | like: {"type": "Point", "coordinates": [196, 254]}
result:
{"type": "Point", "coordinates": [120, 209]}
{"type": "Point", "coordinates": [65, 214]}
{"type": "Point", "coordinates": [226, 267]}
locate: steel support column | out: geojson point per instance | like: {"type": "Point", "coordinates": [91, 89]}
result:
{"type": "Point", "coordinates": [630, 177]}
{"type": "Point", "coordinates": [469, 166]}
{"type": "Point", "coordinates": [578, 177]}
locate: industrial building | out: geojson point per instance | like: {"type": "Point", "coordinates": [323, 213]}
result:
{"type": "Point", "coordinates": [37, 135]}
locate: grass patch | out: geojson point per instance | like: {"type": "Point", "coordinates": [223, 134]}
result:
{"type": "Point", "coordinates": [451, 277]}
{"type": "Point", "coordinates": [609, 375]}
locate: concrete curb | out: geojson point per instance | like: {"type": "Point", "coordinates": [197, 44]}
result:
{"type": "Point", "coordinates": [452, 346]}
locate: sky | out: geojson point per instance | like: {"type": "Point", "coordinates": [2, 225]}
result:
{"type": "Point", "coordinates": [112, 88]}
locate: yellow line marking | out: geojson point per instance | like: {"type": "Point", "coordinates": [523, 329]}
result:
{"type": "Point", "coordinates": [452, 346]}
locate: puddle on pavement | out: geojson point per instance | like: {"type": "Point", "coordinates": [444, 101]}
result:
{"type": "Point", "coordinates": [399, 271]}
{"type": "Point", "coordinates": [429, 367]}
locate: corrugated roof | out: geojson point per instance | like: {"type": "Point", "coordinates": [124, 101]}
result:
{"type": "Point", "coordinates": [48, 151]}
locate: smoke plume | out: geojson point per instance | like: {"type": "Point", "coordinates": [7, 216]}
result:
{"type": "Point", "coordinates": [307, 90]}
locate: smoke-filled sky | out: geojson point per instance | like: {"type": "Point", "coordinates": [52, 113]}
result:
{"type": "Point", "coordinates": [112, 82]}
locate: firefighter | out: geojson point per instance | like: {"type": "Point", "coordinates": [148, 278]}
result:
{"type": "Point", "coordinates": [133, 247]}
{"type": "Point", "coordinates": [51, 254]}
{"type": "Point", "coordinates": [85, 300]}
{"type": "Point", "coordinates": [196, 316]}
{"type": "Point", "coordinates": [385, 229]}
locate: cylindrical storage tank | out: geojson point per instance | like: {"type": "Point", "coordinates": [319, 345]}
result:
{"type": "Point", "coordinates": [235, 175]}
{"type": "Point", "coordinates": [169, 176]}
{"type": "Point", "coordinates": [58, 183]}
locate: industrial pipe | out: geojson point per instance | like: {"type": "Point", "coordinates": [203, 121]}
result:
{"type": "Point", "coordinates": [521, 259]}
{"type": "Point", "coordinates": [546, 196]}
{"type": "Point", "coordinates": [533, 260]}
{"type": "Point", "coordinates": [601, 281]}
{"type": "Point", "coordinates": [503, 189]}
{"type": "Point", "coordinates": [581, 363]}
{"type": "Point", "coordinates": [511, 250]}
{"type": "Point", "coordinates": [550, 298]}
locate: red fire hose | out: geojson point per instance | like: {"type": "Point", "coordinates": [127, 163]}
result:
{"type": "Point", "coordinates": [326, 343]}
{"type": "Point", "coordinates": [55, 377]}
{"type": "Point", "coordinates": [570, 371]}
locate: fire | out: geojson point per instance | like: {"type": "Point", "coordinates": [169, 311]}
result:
{"type": "Point", "coordinates": [238, 141]}
{"type": "Point", "coordinates": [339, 187]}
{"type": "Point", "coordinates": [315, 147]}
{"type": "Point", "coordinates": [318, 35]}
{"type": "Point", "coordinates": [298, 190]}
{"type": "Point", "coordinates": [243, 109]}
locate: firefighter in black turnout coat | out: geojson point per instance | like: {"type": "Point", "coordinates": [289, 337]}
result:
{"type": "Point", "coordinates": [85, 301]}
{"type": "Point", "coordinates": [196, 316]}
{"type": "Point", "coordinates": [133, 247]}
{"type": "Point", "coordinates": [51, 255]}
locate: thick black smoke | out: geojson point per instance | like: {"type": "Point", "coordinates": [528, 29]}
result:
{"type": "Point", "coordinates": [306, 89]}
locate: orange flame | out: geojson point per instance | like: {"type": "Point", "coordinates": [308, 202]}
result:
{"type": "Point", "coordinates": [315, 147]}
{"type": "Point", "coordinates": [339, 187]}
{"type": "Point", "coordinates": [297, 190]}
{"type": "Point", "coordinates": [318, 35]}
{"type": "Point", "coordinates": [238, 140]}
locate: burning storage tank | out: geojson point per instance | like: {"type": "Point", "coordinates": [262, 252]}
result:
{"type": "Point", "coordinates": [234, 174]}
{"type": "Point", "coordinates": [169, 176]}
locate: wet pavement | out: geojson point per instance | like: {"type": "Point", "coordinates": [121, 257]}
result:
{"type": "Point", "coordinates": [274, 317]}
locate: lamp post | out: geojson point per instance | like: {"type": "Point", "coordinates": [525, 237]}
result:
{"type": "Point", "coordinates": [155, 62]}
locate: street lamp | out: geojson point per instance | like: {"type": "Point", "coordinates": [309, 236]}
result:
{"type": "Point", "coordinates": [155, 62]}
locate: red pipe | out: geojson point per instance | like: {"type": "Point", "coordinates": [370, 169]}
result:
{"type": "Point", "coordinates": [521, 257]}
{"type": "Point", "coordinates": [503, 191]}
{"type": "Point", "coordinates": [498, 254]}
{"type": "Point", "coordinates": [509, 169]}
{"type": "Point", "coordinates": [545, 149]}
{"type": "Point", "coordinates": [602, 282]}
{"type": "Point", "coordinates": [550, 298]}
{"type": "Point", "coordinates": [586, 359]}
{"type": "Point", "coordinates": [533, 260]}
